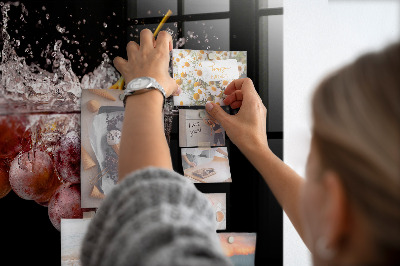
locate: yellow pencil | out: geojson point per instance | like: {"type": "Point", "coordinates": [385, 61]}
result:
{"type": "Point", "coordinates": [169, 13]}
{"type": "Point", "coordinates": [120, 83]}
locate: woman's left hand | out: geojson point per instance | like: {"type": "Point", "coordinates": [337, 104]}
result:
{"type": "Point", "coordinates": [150, 59]}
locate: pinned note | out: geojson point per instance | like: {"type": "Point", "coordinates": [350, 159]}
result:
{"type": "Point", "coordinates": [196, 130]}
{"type": "Point", "coordinates": [218, 70]}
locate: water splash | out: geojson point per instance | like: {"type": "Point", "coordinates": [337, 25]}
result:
{"type": "Point", "coordinates": [31, 89]}
{"type": "Point", "coordinates": [102, 77]}
{"type": "Point", "coordinates": [180, 42]}
{"type": "Point", "coordinates": [32, 86]}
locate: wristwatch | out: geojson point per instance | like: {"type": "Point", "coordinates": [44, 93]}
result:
{"type": "Point", "coordinates": [140, 85]}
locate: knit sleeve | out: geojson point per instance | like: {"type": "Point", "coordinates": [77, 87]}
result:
{"type": "Point", "coordinates": [153, 217]}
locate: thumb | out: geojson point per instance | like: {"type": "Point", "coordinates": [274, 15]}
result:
{"type": "Point", "coordinates": [218, 113]}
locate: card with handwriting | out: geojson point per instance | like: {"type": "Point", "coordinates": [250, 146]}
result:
{"type": "Point", "coordinates": [198, 129]}
{"type": "Point", "coordinates": [204, 75]}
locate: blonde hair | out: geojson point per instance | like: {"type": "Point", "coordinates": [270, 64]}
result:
{"type": "Point", "coordinates": [356, 113]}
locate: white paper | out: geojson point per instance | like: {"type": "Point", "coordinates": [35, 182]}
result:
{"type": "Point", "coordinates": [217, 70]}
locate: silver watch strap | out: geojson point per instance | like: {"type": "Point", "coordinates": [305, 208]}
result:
{"type": "Point", "coordinates": [156, 86]}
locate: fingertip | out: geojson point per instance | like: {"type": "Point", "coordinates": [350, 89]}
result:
{"type": "Point", "coordinates": [228, 99]}
{"type": "Point", "coordinates": [118, 62]}
{"type": "Point", "coordinates": [209, 106]}
{"type": "Point", "coordinates": [236, 104]}
{"type": "Point", "coordinates": [178, 90]}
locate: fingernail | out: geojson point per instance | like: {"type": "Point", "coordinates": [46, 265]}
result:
{"type": "Point", "coordinates": [179, 90]}
{"type": "Point", "coordinates": [209, 106]}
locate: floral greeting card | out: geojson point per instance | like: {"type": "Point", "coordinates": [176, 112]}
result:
{"type": "Point", "coordinates": [203, 75]}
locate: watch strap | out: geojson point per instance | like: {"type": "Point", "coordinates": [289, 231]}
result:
{"type": "Point", "coordinates": [154, 85]}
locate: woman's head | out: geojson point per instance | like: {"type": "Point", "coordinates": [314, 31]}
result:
{"type": "Point", "coordinates": [354, 164]}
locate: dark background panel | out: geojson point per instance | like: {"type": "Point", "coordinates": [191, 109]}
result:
{"type": "Point", "coordinates": [96, 27]}
{"type": "Point", "coordinates": [87, 29]}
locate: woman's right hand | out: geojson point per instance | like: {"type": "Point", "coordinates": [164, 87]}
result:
{"type": "Point", "coordinates": [246, 129]}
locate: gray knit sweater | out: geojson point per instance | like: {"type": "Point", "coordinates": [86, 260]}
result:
{"type": "Point", "coordinates": [153, 217]}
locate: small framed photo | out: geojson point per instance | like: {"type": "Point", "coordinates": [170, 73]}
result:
{"type": "Point", "coordinates": [198, 129]}
{"type": "Point", "coordinates": [240, 248]}
{"type": "Point", "coordinates": [218, 201]}
{"type": "Point", "coordinates": [72, 233]}
{"type": "Point", "coordinates": [206, 165]}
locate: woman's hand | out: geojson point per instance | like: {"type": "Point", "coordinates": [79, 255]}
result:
{"type": "Point", "coordinates": [247, 129]}
{"type": "Point", "coordinates": [150, 59]}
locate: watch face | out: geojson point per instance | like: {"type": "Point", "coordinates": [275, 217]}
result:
{"type": "Point", "coordinates": [140, 83]}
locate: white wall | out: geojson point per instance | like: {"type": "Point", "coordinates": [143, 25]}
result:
{"type": "Point", "coordinates": [320, 36]}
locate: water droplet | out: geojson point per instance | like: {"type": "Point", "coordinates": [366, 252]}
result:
{"type": "Point", "coordinates": [103, 44]}
{"type": "Point", "coordinates": [180, 42]}
{"type": "Point", "coordinates": [148, 12]}
{"type": "Point", "coordinates": [60, 29]}
{"type": "Point", "coordinates": [43, 8]}
{"type": "Point", "coordinates": [83, 21]}
{"type": "Point", "coordinates": [105, 25]}
{"type": "Point", "coordinates": [114, 14]}
{"type": "Point", "coordinates": [175, 24]}
{"type": "Point", "coordinates": [190, 34]}
{"type": "Point", "coordinates": [47, 16]}
{"type": "Point", "coordinates": [171, 32]}
{"type": "Point", "coordinates": [136, 21]}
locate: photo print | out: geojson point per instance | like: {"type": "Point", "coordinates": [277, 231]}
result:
{"type": "Point", "coordinates": [203, 75]}
{"type": "Point", "coordinates": [218, 201]}
{"type": "Point", "coordinates": [240, 248]}
{"type": "Point", "coordinates": [198, 129]}
{"type": "Point", "coordinates": [72, 234]}
{"type": "Point", "coordinates": [206, 165]}
{"type": "Point", "coordinates": [102, 115]}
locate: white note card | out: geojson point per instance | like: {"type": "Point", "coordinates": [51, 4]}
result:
{"type": "Point", "coordinates": [217, 70]}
